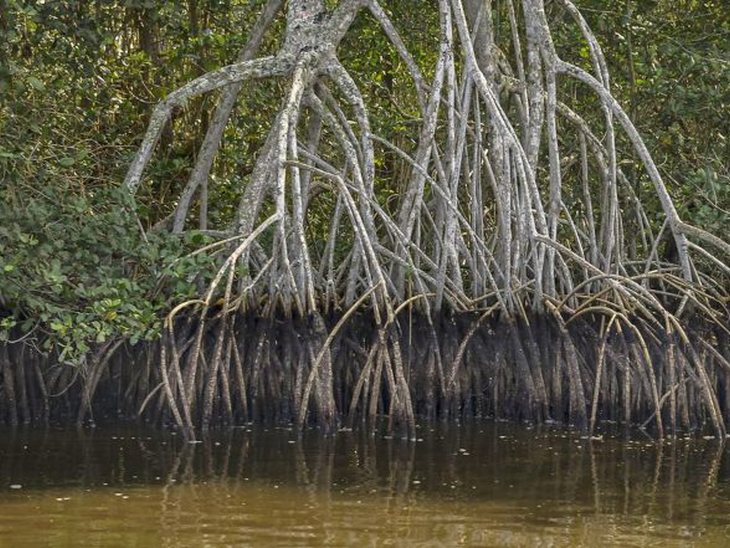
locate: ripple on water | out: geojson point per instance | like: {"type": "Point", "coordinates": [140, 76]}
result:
{"type": "Point", "coordinates": [475, 485]}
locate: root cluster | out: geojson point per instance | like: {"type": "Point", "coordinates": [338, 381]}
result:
{"type": "Point", "coordinates": [511, 270]}
{"type": "Point", "coordinates": [284, 370]}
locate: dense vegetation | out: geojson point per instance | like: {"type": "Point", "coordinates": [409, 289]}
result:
{"type": "Point", "coordinates": [84, 264]}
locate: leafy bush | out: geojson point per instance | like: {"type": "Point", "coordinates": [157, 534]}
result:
{"type": "Point", "coordinates": [77, 270]}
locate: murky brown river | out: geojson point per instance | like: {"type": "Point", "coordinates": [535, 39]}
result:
{"type": "Point", "coordinates": [480, 485]}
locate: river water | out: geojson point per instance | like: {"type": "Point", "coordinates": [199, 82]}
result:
{"type": "Point", "coordinates": [482, 484]}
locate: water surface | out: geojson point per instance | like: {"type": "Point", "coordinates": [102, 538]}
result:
{"type": "Point", "coordinates": [483, 484]}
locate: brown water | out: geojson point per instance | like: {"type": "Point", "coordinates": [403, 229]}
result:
{"type": "Point", "coordinates": [485, 484]}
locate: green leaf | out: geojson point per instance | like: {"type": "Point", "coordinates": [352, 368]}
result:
{"type": "Point", "coordinates": [36, 83]}
{"type": "Point", "coordinates": [67, 161]}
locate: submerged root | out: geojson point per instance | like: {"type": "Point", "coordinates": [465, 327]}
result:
{"type": "Point", "coordinates": [270, 370]}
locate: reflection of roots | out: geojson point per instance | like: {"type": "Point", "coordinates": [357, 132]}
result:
{"type": "Point", "coordinates": [287, 370]}
{"type": "Point", "coordinates": [680, 481]}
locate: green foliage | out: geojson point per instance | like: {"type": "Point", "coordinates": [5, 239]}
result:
{"type": "Point", "coordinates": [709, 201]}
{"type": "Point", "coordinates": [670, 69]}
{"type": "Point", "coordinates": [80, 78]}
{"type": "Point", "coordinates": [77, 81]}
{"type": "Point", "coordinates": [76, 270]}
